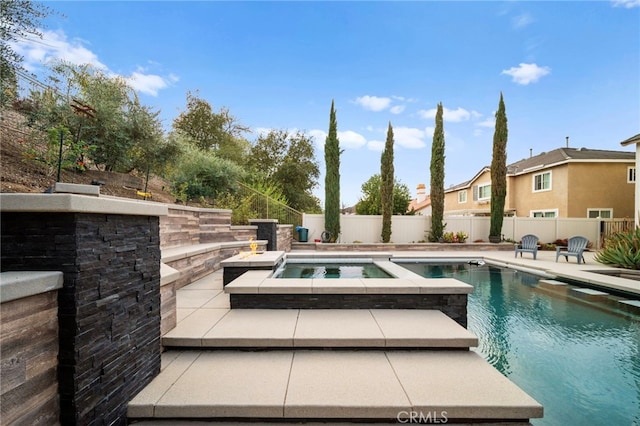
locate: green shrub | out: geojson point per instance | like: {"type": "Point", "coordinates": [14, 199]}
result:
{"type": "Point", "coordinates": [621, 250]}
{"type": "Point", "coordinates": [198, 174]}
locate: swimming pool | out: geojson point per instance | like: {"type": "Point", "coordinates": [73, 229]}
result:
{"type": "Point", "coordinates": [580, 359]}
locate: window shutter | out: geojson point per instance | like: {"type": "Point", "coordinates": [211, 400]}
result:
{"type": "Point", "coordinates": [475, 192]}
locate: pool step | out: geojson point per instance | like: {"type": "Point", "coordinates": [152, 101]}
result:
{"type": "Point", "coordinates": [319, 328]}
{"type": "Point", "coordinates": [317, 385]}
{"type": "Point", "coordinates": [589, 293]}
{"type": "Point", "coordinates": [632, 306]}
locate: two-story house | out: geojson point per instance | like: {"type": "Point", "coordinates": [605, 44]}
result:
{"type": "Point", "coordinates": [635, 140]}
{"type": "Point", "coordinates": [565, 182]}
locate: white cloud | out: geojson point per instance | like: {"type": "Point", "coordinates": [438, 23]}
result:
{"type": "Point", "coordinates": [427, 114]}
{"type": "Point", "coordinates": [373, 103]}
{"type": "Point", "coordinates": [403, 99]}
{"type": "Point", "coordinates": [451, 115]}
{"type": "Point", "coordinates": [489, 122]}
{"type": "Point", "coordinates": [397, 109]}
{"type": "Point", "coordinates": [526, 73]}
{"type": "Point", "coordinates": [521, 21]}
{"type": "Point", "coordinates": [627, 4]}
{"type": "Point", "coordinates": [319, 137]}
{"type": "Point", "coordinates": [146, 83]}
{"type": "Point", "coordinates": [376, 145]}
{"type": "Point", "coordinates": [348, 138]}
{"type": "Point", "coordinates": [409, 137]}
{"type": "Point", "coordinates": [55, 46]}
{"type": "Point", "coordinates": [351, 139]}
{"type": "Point", "coordinates": [429, 132]}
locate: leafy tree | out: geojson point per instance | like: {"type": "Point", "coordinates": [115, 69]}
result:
{"type": "Point", "coordinates": [437, 179]}
{"type": "Point", "coordinates": [268, 152]}
{"type": "Point", "coordinates": [498, 173]}
{"type": "Point", "coordinates": [298, 174]}
{"type": "Point", "coordinates": [332, 178]}
{"type": "Point", "coordinates": [120, 134]}
{"type": "Point", "coordinates": [152, 151]}
{"type": "Point", "coordinates": [219, 131]}
{"type": "Point", "coordinates": [19, 19]}
{"type": "Point", "coordinates": [371, 203]}
{"type": "Point", "coordinates": [202, 175]}
{"type": "Point", "coordinates": [386, 185]}
{"type": "Point", "coordinates": [112, 131]}
{"type": "Point", "coordinates": [288, 161]}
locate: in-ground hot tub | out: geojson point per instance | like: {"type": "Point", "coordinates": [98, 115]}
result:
{"type": "Point", "coordinates": [258, 289]}
{"type": "Point", "coordinates": [331, 268]}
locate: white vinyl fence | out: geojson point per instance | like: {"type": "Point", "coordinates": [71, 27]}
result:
{"type": "Point", "coordinates": [414, 229]}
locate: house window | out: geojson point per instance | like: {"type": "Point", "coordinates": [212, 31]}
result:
{"type": "Point", "coordinates": [542, 182]}
{"type": "Point", "coordinates": [600, 213]}
{"type": "Point", "coordinates": [544, 213]}
{"type": "Point", "coordinates": [462, 196]}
{"type": "Point", "coordinates": [484, 192]}
{"type": "Point", "coordinates": [631, 174]}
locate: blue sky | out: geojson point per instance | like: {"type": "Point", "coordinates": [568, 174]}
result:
{"type": "Point", "coordinates": [568, 68]}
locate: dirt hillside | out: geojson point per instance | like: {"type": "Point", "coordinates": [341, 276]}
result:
{"type": "Point", "coordinates": [17, 174]}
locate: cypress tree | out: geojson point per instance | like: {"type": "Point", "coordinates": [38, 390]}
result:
{"type": "Point", "coordinates": [437, 179]}
{"type": "Point", "coordinates": [332, 178]}
{"type": "Point", "coordinates": [498, 173]}
{"type": "Point", "coordinates": [386, 185]}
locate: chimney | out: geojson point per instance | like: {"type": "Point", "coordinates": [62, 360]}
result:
{"type": "Point", "coordinates": [530, 152]}
{"type": "Point", "coordinates": [421, 193]}
{"type": "Point", "coordinates": [567, 138]}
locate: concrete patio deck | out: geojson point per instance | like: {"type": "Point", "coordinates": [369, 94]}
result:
{"type": "Point", "coordinates": [302, 383]}
{"type": "Point", "coordinates": [311, 384]}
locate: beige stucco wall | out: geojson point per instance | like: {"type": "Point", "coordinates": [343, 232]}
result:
{"type": "Point", "coordinates": [452, 206]}
{"type": "Point", "coordinates": [636, 209]}
{"type": "Point", "coordinates": [575, 187]}
{"type": "Point", "coordinates": [600, 186]}
{"type": "Point", "coordinates": [526, 200]}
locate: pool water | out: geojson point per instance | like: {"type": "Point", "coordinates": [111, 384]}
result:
{"type": "Point", "coordinates": [580, 361]}
{"type": "Point", "coordinates": [331, 270]}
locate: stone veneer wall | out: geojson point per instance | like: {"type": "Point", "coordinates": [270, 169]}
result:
{"type": "Point", "coordinates": [198, 265]}
{"type": "Point", "coordinates": [29, 360]}
{"type": "Point", "coordinates": [109, 306]}
{"type": "Point", "coordinates": [188, 226]}
{"type": "Point", "coordinates": [285, 237]}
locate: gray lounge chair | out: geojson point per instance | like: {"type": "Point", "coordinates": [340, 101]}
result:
{"type": "Point", "coordinates": [575, 247]}
{"type": "Point", "coordinates": [529, 244]}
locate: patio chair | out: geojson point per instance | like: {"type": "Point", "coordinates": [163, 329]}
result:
{"type": "Point", "coordinates": [575, 246]}
{"type": "Point", "coordinates": [529, 244]}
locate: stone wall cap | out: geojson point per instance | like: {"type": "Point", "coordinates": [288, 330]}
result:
{"type": "Point", "coordinates": [263, 220]}
{"type": "Point", "coordinates": [198, 209]}
{"type": "Point", "coordinates": [20, 284]}
{"type": "Point", "coordinates": [73, 203]}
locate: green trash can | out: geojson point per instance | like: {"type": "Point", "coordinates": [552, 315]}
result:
{"type": "Point", "coordinates": [303, 234]}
